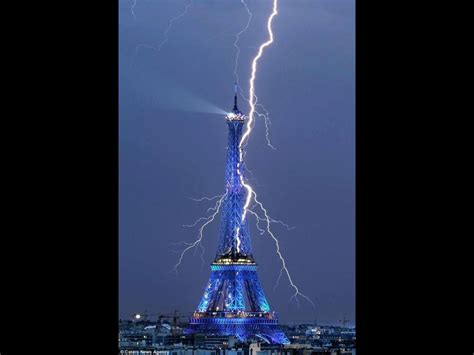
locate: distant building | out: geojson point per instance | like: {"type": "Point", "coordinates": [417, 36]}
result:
{"type": "Point", "coordinates": [213, 341]}
{"type": "Point", "coordinates": [152, 338]}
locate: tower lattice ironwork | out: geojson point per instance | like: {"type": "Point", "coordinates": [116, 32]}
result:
{"type": "Point", "coordinates": [234, 302]}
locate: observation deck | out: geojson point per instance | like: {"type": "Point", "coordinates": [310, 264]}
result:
{"type": "Point", "coordinates": [232, 117]}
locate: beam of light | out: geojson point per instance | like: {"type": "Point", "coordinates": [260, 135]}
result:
{"type": "Point", "coordinates": [209, 219]}
{"type": "Point", "coordinates": [170, 95]}
{"type": "Point", "coordinates": [171, 22]}
{"type": "Point", "coordinates": [237, 38]}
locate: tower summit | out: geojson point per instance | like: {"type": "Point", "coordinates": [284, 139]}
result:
{"type": "Point", "coordinates": [234, 302]}
{"type": "Point", "coordinates": [235, 109]}
{"type": "Point", "coordinates": [235, 114]}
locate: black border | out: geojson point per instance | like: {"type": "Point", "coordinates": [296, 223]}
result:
{"type": "Point", "coordinates": [59, 249]}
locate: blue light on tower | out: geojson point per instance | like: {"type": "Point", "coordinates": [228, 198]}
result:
{"type": "Point", "coordinates": [234, 302]}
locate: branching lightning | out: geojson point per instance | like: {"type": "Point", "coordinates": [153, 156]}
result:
{"type": "Point", "coordinates": [257, 224]}
{"type": "Point", "coordinates": [266, 118]}
{"type": "Point", "coordinates": [251, 195]}
{"type": "Point", "coordinates": [258, 218]}
{"type": "Point", "coordinates": [209, 219]}
{"type": "Point", "coordinates": [265, 114]}
{"type": "Point", "coordinates": [171, 22]}
{"type": "Point", "coordinates": [132, 9]}
{"type": "Point", "coordinates": [282, 259]}
{"type": "Point", "coordinates": [205, 198]}
{"type": "Point", "coordinates": [278, 279]}
{"type": "Point", "coordinates": [237, 38]}
{"type": "Point", "coordinates": [165, 33]}
{"type": "Point", "coordinates": [252, 100]}
{"type": "Point", "coordinates": [208, 210]}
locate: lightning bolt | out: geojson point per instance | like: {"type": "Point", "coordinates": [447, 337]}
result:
{"type": "Point", "coordinates": [209, 209]}
{"type": "Point", "coordinates": [265, 114]}
{"type": "Point", "coordinates": [252, 100]}
{"type": "Point", "coordinates": [266, 118]}
{"type": "Point", "coordinates": [132, 8]}
{"type": "Point", "coordinates": [258, 218]}
{"type": "Point", "coordinates": [282, 259]}
{"type": "Point", "coordinates": [165, 33]}
{"type": "Point", "coordinates": [205, 198]}
{"type": "Point", "coordinates": [237, 38]}
{"type": "Point", "coordinates": [278, 279]}
{"type": "Point", "coordinates": [257, 224]}
{"type": "Point", "coordinates": [171, 22]}
{"type": "Point", "coordinates": [251, 195]}
{"type": "Point", "coordinates": [209, 219]}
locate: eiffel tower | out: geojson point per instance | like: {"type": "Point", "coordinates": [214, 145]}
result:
{"type": "Point", "coordinates": [234, 302]}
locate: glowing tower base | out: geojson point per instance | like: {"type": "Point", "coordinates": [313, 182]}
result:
{"type": "Point", "coordinates": [234, 302]}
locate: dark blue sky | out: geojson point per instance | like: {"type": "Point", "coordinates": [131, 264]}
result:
{"type": "Point", "coordinates": [173, 147]}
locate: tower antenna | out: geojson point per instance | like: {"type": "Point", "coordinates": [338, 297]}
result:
{"type": "Point", "coordinates": [235, 97]}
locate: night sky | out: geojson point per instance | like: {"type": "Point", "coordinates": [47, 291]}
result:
{"type": "Point", "coordinates": [173, 140]}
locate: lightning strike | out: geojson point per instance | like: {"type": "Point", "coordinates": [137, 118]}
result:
{"type": "Point", "coordinates": [196, 222]}
{"type": "Point", "coordinates": [253, 103]}
{"type": "Point", "coordinates": [258, 219]}
{"type": "Point", "coordinates": [249, 126]}
{"type": "Point", "coordinates": [198, 241]}
{"type": "Point", "coordinates": [237, 38]}
{"type": "Point", "coordinates": [132, 8]}
{"type": "Point", "coordinates": [252, 100]}
{"type": "Point", "coordinates": [165, 33]}
{"type": "Point", "coordinates": [266, 119]}
{"type": "Point", "coordinates": [282, 259]}
{"type": "Point", "coordinates": [257, 224]}
{"type": "Point", "coordinates": [252, 177]}
{"type": "Point", "coordinates": [171, 22]}
{"type": "Point", "coordinates": [205, 198]}
{"type": "Point", "coordinates": [265, 114]}
{"type": "Point", "coordinates": [208, 210]}
{"type": "Point", "coordinates": [278, 279]}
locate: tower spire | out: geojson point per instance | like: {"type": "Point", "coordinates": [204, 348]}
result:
{"type": "Point", "coordinates": [235, 109]}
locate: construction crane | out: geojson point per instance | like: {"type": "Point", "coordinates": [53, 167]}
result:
{"type": "Point", "coordinates": [175, 320]}
{"type": "Point", "coordinates": [175, 317]}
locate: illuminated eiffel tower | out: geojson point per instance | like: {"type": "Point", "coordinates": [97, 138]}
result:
{"type": "Point", "coordinates": [234, 302]}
